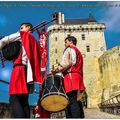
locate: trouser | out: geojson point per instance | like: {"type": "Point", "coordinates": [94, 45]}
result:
{"type": "Point", "coordinates": [19, 106]}
{"type": "Point", "coordinates": [74, 109]}
{"type": "Point", "coordinates": [81, 110]}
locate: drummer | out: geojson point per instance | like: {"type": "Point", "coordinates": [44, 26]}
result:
{"type": "Point", "coordinates": [72, 69]}
{"type": "Point", "coordinates": [25, 71]}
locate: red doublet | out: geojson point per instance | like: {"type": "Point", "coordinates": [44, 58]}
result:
{"type": "Point", "coordinates": [74, 79]}
{"type": "Point", "coordinates": [18, 82]}
{"type": "Point", "coordinates": [18, 78]}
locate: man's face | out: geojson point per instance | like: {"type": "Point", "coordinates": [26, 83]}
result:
{"type": "Point", "coordinates": [67, 43]}
{"type": "Point", "coordinates": [25, 28]}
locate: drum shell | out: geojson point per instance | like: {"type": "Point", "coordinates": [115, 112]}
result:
{"type": "Point", "coordinates": [53, 81]}
{"type": "Point", "coordinates": [53, 91]}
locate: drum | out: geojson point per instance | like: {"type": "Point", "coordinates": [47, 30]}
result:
{"type": "Point", "coordinates": [53, 97]}
{"type": "Point", "coordinates": [11, 51]}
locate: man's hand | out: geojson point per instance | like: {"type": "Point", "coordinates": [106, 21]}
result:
{"type": "Point", "coordinates": [36, 108]}
{"type": "Point", "coordinates": [53, 71]}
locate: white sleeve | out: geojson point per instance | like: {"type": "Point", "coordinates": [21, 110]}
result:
{"type": "Point", "coordinates": [73, 56]}
{"type": "Point", "coordinates": [69, 57]}
{"type": "Point", "coordinates": [9, 39]}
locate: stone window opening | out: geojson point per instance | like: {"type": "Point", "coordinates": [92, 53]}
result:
{"type": "Point", "coordinates": [88, 48]}
{"type": "Point", "coordinates": [83, 36]}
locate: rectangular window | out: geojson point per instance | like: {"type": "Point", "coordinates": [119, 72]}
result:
{"type": "Point", "coordinates": [83, 36]}
{"type": "Point", "coordinates": [56, 50]}
{"type": "Point", "coordinates": [88, 48]}
{"type": "Point", "coordinates": [56, 39]}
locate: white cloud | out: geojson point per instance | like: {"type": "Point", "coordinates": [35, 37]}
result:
{"type": "Point", "coordinates": [112, 17]}
{"type": "Point", "coordinates": [3, 21]}
{"type": "Point", "coordinates": [5, 73]}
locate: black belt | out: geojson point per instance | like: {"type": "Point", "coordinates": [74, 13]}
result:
{"type": "Point", "coordinates": [19, 65]}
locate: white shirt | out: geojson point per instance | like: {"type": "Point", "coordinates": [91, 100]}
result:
{"type": "Point", "coordinates": [68, 58]}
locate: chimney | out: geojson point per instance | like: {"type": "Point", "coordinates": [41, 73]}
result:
{"type": "Point", "coordinates": [60, 17]}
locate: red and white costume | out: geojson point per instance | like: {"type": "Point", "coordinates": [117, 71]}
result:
{"type": "Point", "coordinates": [73, 77]}
{"type": "Point", "coordinates": [26, 67]}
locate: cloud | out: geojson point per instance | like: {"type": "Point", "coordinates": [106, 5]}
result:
{"type": "Point", "coordinates": [5, 74]}
{"type": "Point", "coordinates": [3, 21]}
{"type": "Point", "coordinates": [112, 17]}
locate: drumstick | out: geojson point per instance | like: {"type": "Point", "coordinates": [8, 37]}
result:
{"type": "Point", "coordinates": [53, 67]}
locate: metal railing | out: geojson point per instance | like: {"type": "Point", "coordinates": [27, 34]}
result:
{"type": "Point", "coordinates": [111, 105]}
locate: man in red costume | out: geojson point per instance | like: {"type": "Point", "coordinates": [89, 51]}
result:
{"type": "Point", "coordinates": [26, 70]}
{"type": "Point", "coordinates": [72, 69]}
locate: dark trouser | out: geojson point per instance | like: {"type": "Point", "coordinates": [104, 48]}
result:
{"type": "Point", "coordinates": [19, 106]}
{"type": "Point", "coordinates": [81, 110]}
{"type": "Point", "coordinates": [74, 109]}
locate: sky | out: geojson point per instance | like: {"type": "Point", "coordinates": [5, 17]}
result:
{"type": "Point", "coordinates": [12, 14]}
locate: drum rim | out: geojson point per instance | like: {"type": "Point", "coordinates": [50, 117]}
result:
{"type": "Point", "coordinates": [54, 93]}
{"type": "Point", "coordinates": [54, 76]}
{"type": "Point", "coordinates": [54, 111]}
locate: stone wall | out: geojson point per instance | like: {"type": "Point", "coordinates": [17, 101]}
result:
{"type": "Point", "coordinates": [109, 64]}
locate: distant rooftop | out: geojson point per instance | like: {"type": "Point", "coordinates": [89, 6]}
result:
{"type": "Point", "coordinates": [75, 21]}
{"type": "Point", "coordinates": [80, 21]}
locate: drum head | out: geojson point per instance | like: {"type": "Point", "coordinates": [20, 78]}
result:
{"type": "Point", "coordinates": [54, 103]}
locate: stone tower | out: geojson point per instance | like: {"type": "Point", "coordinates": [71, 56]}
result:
{"type": "Point", "coordinates": [90, 41]}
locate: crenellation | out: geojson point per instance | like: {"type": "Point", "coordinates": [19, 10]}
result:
{"type": "Point", "coordinates": [71, 28]}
